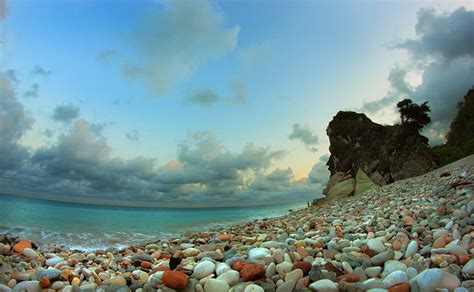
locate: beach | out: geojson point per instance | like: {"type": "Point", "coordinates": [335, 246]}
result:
{"type": "Point", "coordinates": [412, 235]}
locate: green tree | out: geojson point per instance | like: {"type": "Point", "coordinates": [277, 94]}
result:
{"type": "Point", "coordinates": [414, 115]}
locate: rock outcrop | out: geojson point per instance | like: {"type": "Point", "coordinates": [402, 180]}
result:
{"type": "Point", "coordinates": [365, 154]}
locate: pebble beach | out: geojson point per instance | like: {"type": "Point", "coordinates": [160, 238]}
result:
{"type": "Point", "coordinates": [412, 235]}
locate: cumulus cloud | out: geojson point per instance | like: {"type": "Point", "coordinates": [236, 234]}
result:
{"type": "Point", "coordinates": [65, 113]}
{"type": "Point", "coordinates": [319, 173]}
{"type": "Point", "coordinates": [173, 42]}
{"type": "Point", "coordinates": [14, 122]}
{"type": "Point", "coordinates": [32, 92]}
{"type": "Point", "coordinates": [205, 173]}
{"type": "Point", "coordinates": [443, 52]}
{"type": "Point", "coordinates": [305, 135]}
{"type": "Point", "coordinates": [40, 71]}
{"type": "Point", "coordinates": [202, 97]}
{"type": "Point", "coordinates": [133, 136]}
{"type": "Point", "coordinates": [11, 75]}
{"type": "Point", "coordinates": [446, 36]}
{"type": "Point", "coordinates": [48, 133]}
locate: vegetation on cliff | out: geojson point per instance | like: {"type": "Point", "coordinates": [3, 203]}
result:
{"type": "Point", "coordinates": [460, 138]}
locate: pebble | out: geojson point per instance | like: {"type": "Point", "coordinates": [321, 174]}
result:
{"type": "Point", "coordinates": [428, 280]}
{"type": "Point", "coordinates": [376, 245]}
{"type": "Point", "coordinates": [396, 277]}
{"type": "Point", "coordinates": [54, 261]}
{"type": "Point", "coordinates": [221, 268]}
{"type": "Point", "coordinates": [287, 286]}
{"type": "Point", "coordinates": [294, 275]}
{"type": "Point", "coordinates": [373, 272]}
{"type": "Point", "coordinates": [401, 237]}
{"type": "Point", "coordinates": [412, 248]}
{"type": "Point", "coordinates": [30, 253]}
{"type": "Point", "coordinates": [258, 253]}
{"type": "Point", "coordinates": [232, 277]}
{"type": "Point", "coordinates": [203, 269]}
{"type": "Point", "coordinates": [324, 286]}
{"type": "Point", "coordinates": [253, 288]}
{"type": "Point", "coordinates": [215, 285]}
{"type": "Point", "coordinates": [175, 279]}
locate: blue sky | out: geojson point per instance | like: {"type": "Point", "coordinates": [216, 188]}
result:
{"type": "Point", "coordinates": [153, 76]}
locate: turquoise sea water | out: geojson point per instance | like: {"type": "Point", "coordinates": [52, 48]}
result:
{"type": "Point", "coordinates": [89, 227]}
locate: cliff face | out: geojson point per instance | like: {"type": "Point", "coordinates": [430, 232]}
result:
{"type": "Point", "coordinates": [365, 154]}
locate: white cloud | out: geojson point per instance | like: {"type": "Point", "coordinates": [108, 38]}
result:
{"type": "Point", "coordinates": [172, 43]}
{"type": "Point", "coordinates": [305, 135]}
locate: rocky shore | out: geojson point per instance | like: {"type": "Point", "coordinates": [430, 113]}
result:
{"type": "Point", "coordinates": [412, 235]}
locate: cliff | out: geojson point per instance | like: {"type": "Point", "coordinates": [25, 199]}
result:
{"type": "Point", "coordinates": [365, 154]}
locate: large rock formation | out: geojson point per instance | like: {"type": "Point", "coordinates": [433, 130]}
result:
{"type": "Point", "coordinates": [365, 154]}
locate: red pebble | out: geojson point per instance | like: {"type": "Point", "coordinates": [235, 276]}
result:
{"type": "Point", "coordinates": [44, 282]}
{"type": "Point", "coordinates": [403, 287]}
{"type": "Point", "coordinates": [145, 264]}
{"type": "Point", "coordinates": [252, 272]}
{"type": "Point", "coordinates": [304, 266]}
{"type": "Point", "coordinates": [350, 278]}
{"type": "Point", "coordinates": [175, 279]}
{"type": "Point", "coordinates": [21, 245]}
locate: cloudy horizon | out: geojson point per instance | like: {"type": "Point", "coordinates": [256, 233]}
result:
{"type": "Point", "coordinates": [210, 103]}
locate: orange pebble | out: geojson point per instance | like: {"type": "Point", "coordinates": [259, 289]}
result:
{"type": "Point", "coordinates": [44, 282]}
{"type": "Point", "coordinates": [21, 245]}
{"type": "Point", "coordinates": [403, 287]}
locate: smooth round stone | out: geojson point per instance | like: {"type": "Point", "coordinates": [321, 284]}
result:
{"type": "Point", "coordinates": [232, 277]}
{"type": "Point", "coordinates": [450, 281]}
{"type": "Point", "coordinates": [324, 285]}
{"type": "Point", "coordinates": [155, 279]}
{"type": "Point", "coordinates": [392, 266]}
{"type": "Point", "coordinates": [51, 274]}
{"type": "Point", "coordinates": [469, 267]}
{"type": "Point", "coordinates": [270, 244]}
{"type": "Point", "coordinates": [411, 273]}
{"type": "Point", "coordinates": [383, 257]}
{"type": "Point", "coordinates": [373, 272]}
{"type": "Point", "coordinates": [221, 268]}
{"type": "Point", "coordinates": [57, 285]}
{"type": "Point", "coordinates": [270, 270]}
{"type": "Point", "coordinates": [347, 268]}
{"type": "Point", "coordinates": [294, 275]}
{"type": "Point", "coordinates": [118, 280]}
{"type": "Point", "coordinates": [54, 261]}
{"type": "Point", "coordinates": [203, 269]}
{"type": "Point", "coordinates": [373, 283]}
{"type": "Point", "coordinates": [190, 252]}
{"type": "Point", "coordinates": [30, 253]}
{"type": "Point", "coordinates": [287, 286]}
{"type": "Point", "coordinates": [456, 249]}
{"type": "Point", "coordinates": [29, 286]}
{"type": "Point", "coordinates": [412, 248]}
{"type": "Point", "coordinates": [4, 288]}
{"type": "Point", "coordinates": [259, 253]}
{"type": "Point", "coordinates": [376, 245]}
{"type": "Point", "coordinates": [284, 267]}
{"type": "Point", "coordinates": [428, 280]}
{"type": "Point", "coordinates": [253, 288]}
{"type": "Point", "coordinates": [396, 277]}
{"type": "Point", "coordinates": [440, 233]}
{"type": "Point", "coordinates": [215, 285]}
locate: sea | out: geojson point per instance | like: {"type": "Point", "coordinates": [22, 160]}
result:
{"type": "Point", "coordinates": [90, 227]}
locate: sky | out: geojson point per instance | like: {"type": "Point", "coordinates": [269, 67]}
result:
{"type": "Point", "coordinates": [211, 103]}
